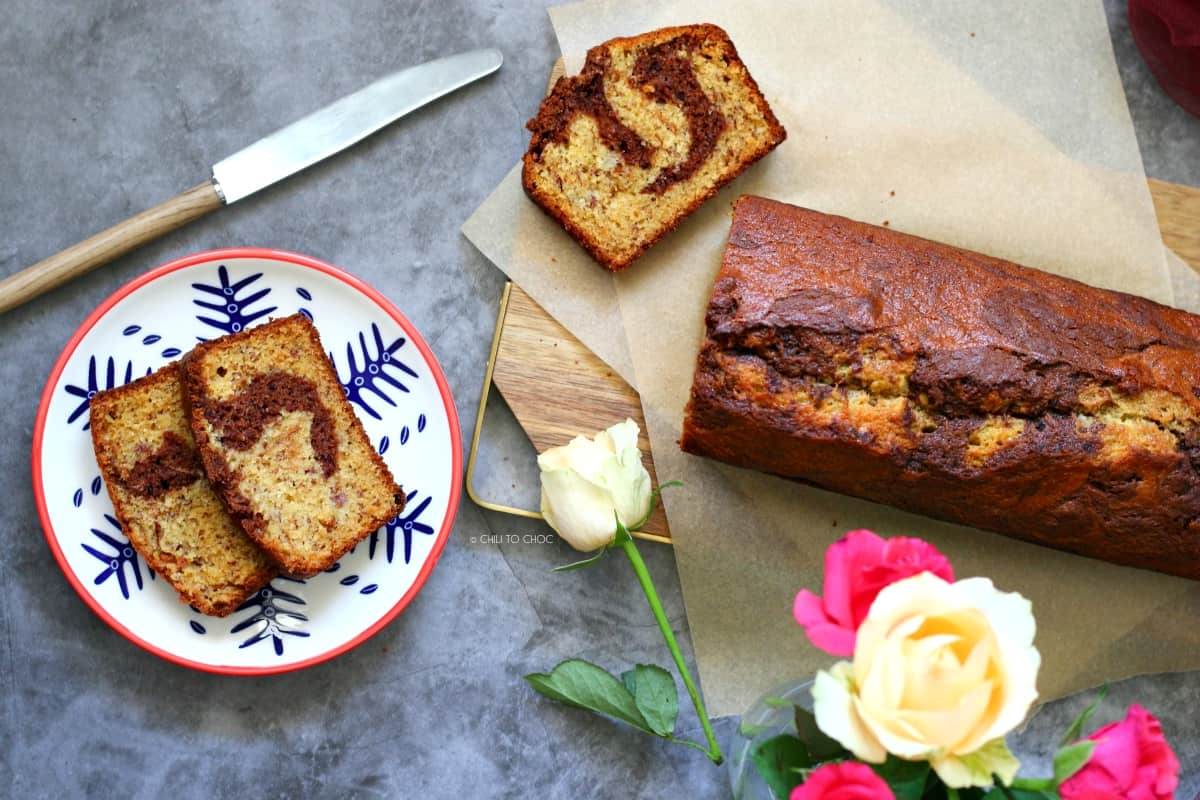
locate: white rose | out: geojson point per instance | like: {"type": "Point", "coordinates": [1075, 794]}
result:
{"type": "Point", "coordinates": [586, 482]}
{"type": "Point", "coordinates": [941, 672]}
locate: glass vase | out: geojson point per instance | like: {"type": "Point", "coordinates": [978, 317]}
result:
{"type": "Point", "coordinates": [770, 715]}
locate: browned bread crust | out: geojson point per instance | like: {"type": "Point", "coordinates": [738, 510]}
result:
{"type": "Point", "coordinates": [282, 446]}
{"type": "Point", "coordinates": [652, 127]}
{"type": "Point", "coordinates": [877, 364]}
{"type": "Point", "coordinates": [164, 503]}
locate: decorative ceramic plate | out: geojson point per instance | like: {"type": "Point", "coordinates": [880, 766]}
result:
{"type": "Point", "coordinates": [394, 384]}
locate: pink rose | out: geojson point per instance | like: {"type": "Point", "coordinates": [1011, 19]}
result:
{"type": "Point", "coordinates": [1132, 761]}
{"type": "Point", "coordinates": [847, 780]}
{"type": "Point", "coordinates": [857, 568]}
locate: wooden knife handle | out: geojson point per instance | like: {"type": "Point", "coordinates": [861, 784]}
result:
{"type": "Point", "coordinates": [107, 245]}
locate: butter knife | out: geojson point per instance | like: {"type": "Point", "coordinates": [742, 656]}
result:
{"type": "Point", "coordinates": [273, 158]}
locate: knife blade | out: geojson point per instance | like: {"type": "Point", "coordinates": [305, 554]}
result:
{"type": "Point", "coordinates": [346, 121]}
{"type": "Point", "coordinates": [269, 160]}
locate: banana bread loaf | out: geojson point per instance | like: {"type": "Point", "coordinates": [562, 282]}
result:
{"type": "Point", "coordinates": [651, 127]}
{"type": "Point", "coordinates": [166, 507]}
{"type": "Point", "coordinates": [282, 446]}
{"type": "Point", "coordinates": [877, 364]}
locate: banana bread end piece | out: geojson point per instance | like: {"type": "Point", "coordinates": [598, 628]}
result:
{"type": "Point", "coordinates": [165, 505]}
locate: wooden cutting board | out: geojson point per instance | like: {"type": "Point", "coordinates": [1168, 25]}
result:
{"type": "Point", "coordinates": [557, 388]}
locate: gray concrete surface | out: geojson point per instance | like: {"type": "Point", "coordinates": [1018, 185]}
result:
{"type": "Point", "coordinates": [110, 106]}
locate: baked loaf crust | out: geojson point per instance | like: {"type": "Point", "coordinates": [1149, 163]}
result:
{"type": "Point", "coordinates": [165, 505]}
{"type": "Point", "coordinates": [651, 127]}
{"type": "Point", "coordinates": [956, 385]}
{"type": "Point", "coordinates": [282, 446]}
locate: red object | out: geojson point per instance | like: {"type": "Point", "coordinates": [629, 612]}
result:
{"type": "Point", "coordinates": [1167, 32]}
{"type": "Point", "coordinates": [857, 568]}
{"type": "Point", "coordinates": [1132, 761]}
{"type": "Point", "coordinates": [279, 255]}
{"type": "Point", "coordinates": [848, 780]}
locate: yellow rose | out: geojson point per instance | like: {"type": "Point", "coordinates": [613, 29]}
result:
{"type": "Point", "coordinates": [941, 672]}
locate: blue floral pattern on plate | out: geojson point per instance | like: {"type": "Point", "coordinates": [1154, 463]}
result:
{"type": "Point", "coordinates": [115, 562]}
{"type": "Point", "coordinates": [274, 617]}
{"type": "Point", "coordinates": [369, 372]}
{"type": "Point", "coordinates": [397, 392]}
{"type": "Point", "coordinates": [224, 299]}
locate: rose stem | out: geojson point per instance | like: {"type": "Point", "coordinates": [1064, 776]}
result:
{"type": "Point", "coordinates": [643, 575]}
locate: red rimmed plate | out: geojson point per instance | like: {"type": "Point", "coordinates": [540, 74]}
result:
{"type": "Point", "coordinates": [394, 384]}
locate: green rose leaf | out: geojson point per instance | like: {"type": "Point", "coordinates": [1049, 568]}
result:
{"type": "Point", "coordinates": [629, 679]}
{"type": "Point", "coordinates": [991, 763]}
{"type": "Point", "coordinates": [1075, 731]}
{"type": "Point", "coordinates": [822, 747]}
{"type": "Point", "coordinates": [656, 696]}
{"type": "Point", "coordinates": [936, 790]}
{"type": "Point", "coordinates": [653, 502]}
{"type": "Point", "coordinates": [777, 702]}
{"type": "Point", "coordinates": [584, 685]}
{"type": "Point", "coordinates": [748, 731]}
{"type": "Point", "coordinates": [622, 535]}
{"type": "Point", "coordinates": [1070, 759]}
{"type": "Point", "coordinates": [780, 761]}
{"type": "Point", "coordinates": [907, 778]}
{"type": "Point", "coordinates": [1004, 793]}
{"type": "Point", "coordinates": [587, 562]}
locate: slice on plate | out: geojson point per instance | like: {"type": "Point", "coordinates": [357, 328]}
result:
{"type": "Point", "coordinates": [650, 128]}
{"type": "Point", "coordinates": [164, 503]}
{"type": "Point", "coordinates": [282, 446]}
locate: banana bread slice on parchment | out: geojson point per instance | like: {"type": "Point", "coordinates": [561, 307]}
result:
{"type": "Point", "coordinates": [651, 127]}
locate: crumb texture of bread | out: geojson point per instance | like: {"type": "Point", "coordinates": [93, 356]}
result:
{"type": "Point", "coordinates": [165, 505]}
{"type": "Point", "coordinates": [283, 447]}
{"type": "Point", "coordinates": [652, 127]}
{"type": "Point", "coordinates": [873, 363]}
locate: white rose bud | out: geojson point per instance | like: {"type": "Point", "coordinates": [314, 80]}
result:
{"type": "Point", "coordinates": [586, 482]}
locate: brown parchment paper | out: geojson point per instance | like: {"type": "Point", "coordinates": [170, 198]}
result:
{"type": "Point", "coordinates": [534, 251]}
{"type": "Point", "coordinates": [1185, 283]}
{"type": "Point", "coordinates": [895, 114]}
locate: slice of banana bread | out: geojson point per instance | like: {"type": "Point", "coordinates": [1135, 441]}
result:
{"type": "Point", "coordinates": [651, 127]}
{"type": "Point", "coordinates": [282, 446]}
{"type": "Point", "coordinates": [165, 505]}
